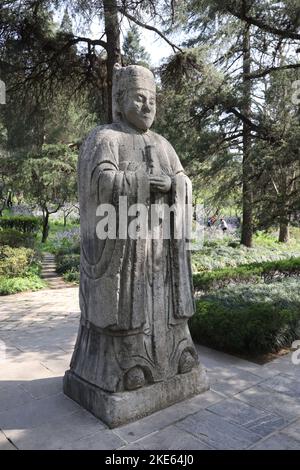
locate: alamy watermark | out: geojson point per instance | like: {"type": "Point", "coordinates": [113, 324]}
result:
{"type": "Point", "coordinates": [2, 92]}
{"type": "Point", "coordinates": [151, 221]}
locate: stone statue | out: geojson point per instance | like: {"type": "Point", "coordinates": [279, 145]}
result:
{"type": "Point", "coordinates": [134, 354]}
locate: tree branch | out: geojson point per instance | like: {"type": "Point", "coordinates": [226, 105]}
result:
{"type": "Point", "coordinates": [150, 28]}
{"type": "Point", "coordinates": [90, 42]}
{"type": "Point", "coordinates": [264, 72]}
{"type": "Point", "coordinates": [255, 21]}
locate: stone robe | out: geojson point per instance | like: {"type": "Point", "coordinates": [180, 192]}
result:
{"type": "Point", "coordinates": [136, 295]}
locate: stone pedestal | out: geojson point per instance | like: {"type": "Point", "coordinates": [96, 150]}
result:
{"type": "Point", "coordinates": [116, 409]}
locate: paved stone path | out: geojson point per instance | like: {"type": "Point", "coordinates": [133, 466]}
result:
{"type": "Point", "coordinates": [248, 406]}
{"type": "Point", "coordinates": [50, 275]}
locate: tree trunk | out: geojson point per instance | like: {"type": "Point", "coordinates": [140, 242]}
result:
{"type": "Point", "coordinates": [112, 31]}
{"type": "Point", "coordinates": [247, 227]}
{"type": "Point", "coordinates": [45, 226]}
{"type": "Point", "coordinates": [65, 219]}
{"type": "Point", "coordinates": [284, 232]}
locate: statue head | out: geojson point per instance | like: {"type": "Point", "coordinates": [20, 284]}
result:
{"type": "Point", "coordinates": [134, 96]}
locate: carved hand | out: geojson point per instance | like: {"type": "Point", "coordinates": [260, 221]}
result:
{"type": "Point", "coordinates": [160, 183]}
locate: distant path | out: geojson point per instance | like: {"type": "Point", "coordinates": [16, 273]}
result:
{"type": "Point", "coordinates": [50, 275]}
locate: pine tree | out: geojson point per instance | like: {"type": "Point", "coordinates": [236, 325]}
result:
{"type": "Point", "coordinates": [66, 25]}
{"type": "Point", "coordinates": [133, 52]}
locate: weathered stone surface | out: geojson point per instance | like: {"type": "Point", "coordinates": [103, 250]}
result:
{"type": "Point", "coordinates": [277, 442]}
{"type": "Point", "coordinates": [162, 418]}
{"type": "Point", "coordinates": [36, 412]}
{"type": "Point", "coordinates": [134, 353]}
{"type": "Point", "coordinates": [170, 438]}
{"type": "Point", "coordinates": [281, 404]}
{"type": "Point", "coordinates": [217, 432]}
{"type": "Point", "coordinates": [122, 407]}
{"type": "Point", "coordinates": [259, 421]}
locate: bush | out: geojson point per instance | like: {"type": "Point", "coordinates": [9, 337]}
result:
{"type": "Point", "coordinates": [249, 319]}
{"type": "Point", "coordinates": [68, 250]}
{"type": "Point", "coordinates": [23, 223]}
{"type": "Point", "coordinates": [16, 239]}
{"type": "Point", "coordinates": [20, 284]}
{"type": "Point", "coordinates": [249, 272]}
{"type": "Point", "coordinates": [72, 276]}
{"type": "Point", "coordinates": [15, 261]}
{"type": "Point", "coordinates": [68, 262]}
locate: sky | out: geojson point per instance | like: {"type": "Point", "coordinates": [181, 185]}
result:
{"type": "Point", "coordinates": [156, 47]}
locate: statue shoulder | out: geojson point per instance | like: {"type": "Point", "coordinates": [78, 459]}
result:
{"type": "Point", "coordinates": [162, 141]}
{"type": "Point", "coordinates": [174, 161]}
{"type": "Point", "coordinates": [100, 136]}
{"type": "Point", "coordinates": [105, 132]}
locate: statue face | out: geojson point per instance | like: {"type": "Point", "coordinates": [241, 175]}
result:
{"type": "Point", "coordinates": [139, 107]}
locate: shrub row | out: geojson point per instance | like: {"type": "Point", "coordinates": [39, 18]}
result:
{"type": "Point", "coordinates": [15, 261]}
{"type": "Point", "coordinates": [16, 239]}
{"type": "Point", "coordinates": [254, 329]}
{"type": "Point", "coordinates": [22, 223]}
{"type": "Point", "coordinates": [267, 271]}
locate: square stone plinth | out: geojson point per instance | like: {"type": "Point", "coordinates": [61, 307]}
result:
{"type": "Point", "coordinates": [116, 409]}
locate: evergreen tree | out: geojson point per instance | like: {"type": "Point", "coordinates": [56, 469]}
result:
{"type": "Point", "coordinates": [66, 25]}
{"type": "Point", "coordinates": [133, 52]}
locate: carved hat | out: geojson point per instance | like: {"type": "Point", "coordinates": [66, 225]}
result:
{"type": "Point", "coordinates": [127, 78]}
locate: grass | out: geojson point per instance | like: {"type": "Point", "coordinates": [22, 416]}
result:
{"type": "Point", "coordinates": [219, 254]}
{"type": "Point", "coordinates": [254, 272]}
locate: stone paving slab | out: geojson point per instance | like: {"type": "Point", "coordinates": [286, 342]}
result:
{"type": "Point", "coordinates": [102, 440]}
{"type": "Point", "coordinates": [217, 432]}
{"type": "Point", "coordinates": [278, 442]}
{"type": "Point", "coordinates": [278, 403]}
{"type": "Point", "coordinates": [249, 406]}
{"type": "Point", "coordinates": [259, 421]}
{"type": "Point", "coordinates": [36, 412]}
{"type": "Point", "coordinates": [57, 433]}
{"type": "Point", "coordinates": [133, 431]}
{"type": "Point", "coordinates": [170, 438]}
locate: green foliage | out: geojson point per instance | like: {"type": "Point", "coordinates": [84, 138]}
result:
{"type": "Point", "coordinates": [20, 284]}
{"type": "Point", "coordinates": [15, 261]}
{"type": "Point", "coordinates": [16, 239]}
{"type": "Point", "coordinates": [49, 177]}
{"type": "Point", "coordinates": [219, 254]}
{"type": "Point", "coordinates": [72, 276]}
{"type": "Point", "coordinates": [253, 319]}
{"type": "Point", "coordinates": [134, 52]}
{"type": "Point", "coordinates": [254, 272]}
{"type": "Point", "coordinates": [69, 262]}
{"type": "Point", "coordinates": [25, 224]}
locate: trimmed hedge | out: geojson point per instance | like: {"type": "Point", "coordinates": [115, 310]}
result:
{"type": "Point", "coordinates": [15, 261]}
{"type": "Point", "coordinates": [22, 223]}
{"type": "Point", "coordinates": [262, 323]}
{"type": "Point", "coordinates": [17, 239]}
{"type": "Point", "coordinates": [254, 272]}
